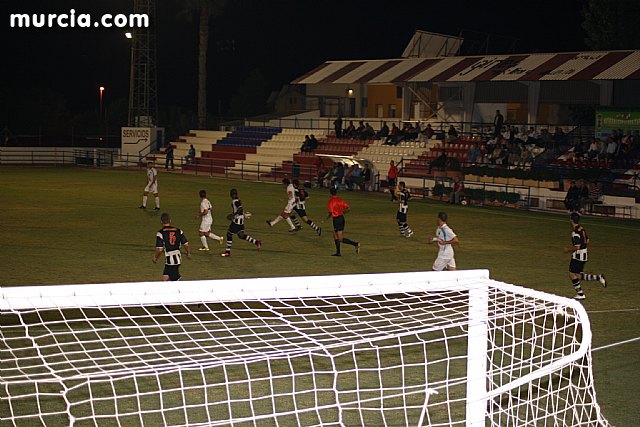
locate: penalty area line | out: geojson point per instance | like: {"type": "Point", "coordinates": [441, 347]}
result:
{"type": "Point", "coordinates": [613, 311]}
{"type": "Point", "coordinates": [616, 344]}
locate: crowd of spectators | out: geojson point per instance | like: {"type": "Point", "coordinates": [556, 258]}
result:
{"type": "Point", "coordinates": [310, 144]}
{"type": "Point", "coordinates": [620, 148]}
{"type": "Point", "coordinates": [353, 177]}
{"type": "Point", "coordinates": [581, 196]}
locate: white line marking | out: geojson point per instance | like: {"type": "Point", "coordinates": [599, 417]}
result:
{"type": "Point", "coordinates": [616, 344]}
{"type": "Point", "coordinates": [613, 311]}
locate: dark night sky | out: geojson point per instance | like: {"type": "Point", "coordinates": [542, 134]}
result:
{"type": "Point", "coordinates": [284, 38]}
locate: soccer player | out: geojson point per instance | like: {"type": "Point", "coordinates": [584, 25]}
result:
{"type": "Point", "coordinates": [579, 257]}
{"type": "Point", "coordinates": [237, 224]}
{"type": "Point", "coordinates": [169, 239]}
{"type": "Point", "coordinates": [286, 213]}
{"type": "Point", "coordinates": [401, 217]}
{"type": "Point", "coordinates": [152, 187]}
{"type": "Point", "coordinates": [300, 206]}
{"type": "Point", "coordinates": [206, 222]}
{"type": "Point", "coordinates": [445, 238]}
{"type": "Point", "coordinates": [337, 208]}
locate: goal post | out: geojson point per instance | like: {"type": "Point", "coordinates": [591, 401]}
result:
{"type": "Point", "coordinates": [421, 348]}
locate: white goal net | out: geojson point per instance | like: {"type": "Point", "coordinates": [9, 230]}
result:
{"type": "Point", "coordinates": [427, 348]}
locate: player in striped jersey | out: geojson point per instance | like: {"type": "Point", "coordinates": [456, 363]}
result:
{"type": "Point", "coordinates": [445, 238]}
{"type": "Point", "coordinates": [206, 222]}
{"type": "Point", "coordinates": [288, 209]}
{"type": "Point", "coordinates": [300, 206]}
{"type": "Point", "coordinates": [169, 239]}
{"type": "Point", "coordinates": [401, 217]}
{"type": "Point", "coordinates": [579, 257]}
{"type": "Point", "coordinates": [152, 187]}
{"type": "Point", "coordinates": [237, 217]}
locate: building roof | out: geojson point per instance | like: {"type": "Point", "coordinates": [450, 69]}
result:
{"type": "Point", "coordinates": [605, 65]}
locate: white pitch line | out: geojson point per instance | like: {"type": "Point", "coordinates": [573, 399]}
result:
{"type": "Point", "coordinates": [613, 311]}
{"type": "Point", "coordinates": [616, 344]}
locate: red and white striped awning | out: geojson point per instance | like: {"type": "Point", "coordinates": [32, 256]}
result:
{"type": "Point", "coordinates": [611, 65]}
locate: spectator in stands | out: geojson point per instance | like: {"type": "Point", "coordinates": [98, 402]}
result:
{"type": "Point", "coordinates": [498, 122]}
{"type": "Point", "coordinates": [338, 177]}
{"type": "Point", "coordinates": [360, 130]}
{"type": "Point", "coordinates": [322, 172]}
{"type": "Point", "coordinates": [452, 133]}
{"type": "Point", "coordinates": [392, 177]}
{"type": "Point", "coordinates": [384, 131]}
{"type": "Point", "coordinates": [428, 132]}
{"type": "Point", "coordinates": [412, 132]}
{"type": "Point", "coordinates": [532, 136]}
{"type": "Point", "coordinates": [559, 137]}
{"type": "Point", "coordinates": [191, 154]}
{"type": "Point", "coordinates": [546, 138]}
{"type": "Point", "coordinates": [337, 125]}
{"type": "Point", "coordinates": [458, 191]}
{"type": "Point", "coordinates": [349, 131]}
{"type": "Point", "coordinates": [474, 151]}
{"type": "Point", "coordinates": [439, 162]}
{"type": "Point", "coordinates": [391, 139]}
{"type": "Point", "coordinates": [612, 148]}
{"type": "Point", "coordinates": [366, 177]}
{"type": "Point", "coordinates": [313, 142]}
{"type": "Point", "coordinates": [168, 150]}
{"type": "Point", "coordinates": [305, 145]}
{"type": "Point", "coordinates": [583, 194]}
{"type": "Point", "coordinates": [354, 179]}
{"type": "Point", "coordinates": [368, 132]}
{"type": "Point", "coordinates": [572, 199]}
{"type": "Point", "coordinates": [594, 150]}
{"type": "Point", "coordinates": [595, 196]}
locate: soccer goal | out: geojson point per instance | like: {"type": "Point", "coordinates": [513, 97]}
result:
{"type": "Point", "coordinates": [415, 349]}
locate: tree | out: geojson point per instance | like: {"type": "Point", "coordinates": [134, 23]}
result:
{"type": "Point", "coordinates": [612, 24]}
{"type": "Point", "coordinates": [250, 99]}
{"type": "Point", "coordinates": [205, 9]}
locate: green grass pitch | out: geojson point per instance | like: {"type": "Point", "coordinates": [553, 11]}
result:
{"type": "Point", "coordinates": [75, 225]}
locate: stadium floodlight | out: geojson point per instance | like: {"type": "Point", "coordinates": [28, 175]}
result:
{"type": "Point", "coordinates": [424, 348]}
{"type": "Point", "coordinates": [128, 35]}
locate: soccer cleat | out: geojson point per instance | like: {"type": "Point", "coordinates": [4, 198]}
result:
{"type": "Point", "coordinates": [269, 223]}
{"type": "Point", "coordinates": [204, 249]}
{"type": "Point", "coordinates": [225, 254]}
{"type": "Point", "coordinates": [357, 248]}
{"type": "Point", "coordinates": [580, 297]}
{"type": "Point", "coordinates": [142, 207]}
{"type": "Point", "coordinates": [293, 230]}
{"type": "Point", "coordinates": [319, 231]}
{"type": "Point", "coordinates": [336, 254]}
{"type": "Point", "coordinates": [156, 208]}
{"type": "Point", "coordinates": [259, 245]}
{"type": "Point", "coordinates": [409, 235]}
{"type": "Point", "coordinates": [603, 281]}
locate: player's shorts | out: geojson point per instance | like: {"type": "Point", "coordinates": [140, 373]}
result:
{"type": "Point", "coordinates": [205, 226]}
{"type": "Point", "coordinates": [441, 264]}
{"type": "Point", "coordinates": [173, 271]}
{"type": "Point", "coordinates": [338, 223]}
{"type": "Point", "coordinates": [151, 188]}
{"type": "Point", "coordinates": [301, 212]}
{"type": "Point", "coordinates": [235, 228]}
{"type": "Point", "coordinates": [401, 217]}
{"type": "Point", "coordinates": [576, 266]}
{"type": "Point", "coordinates": [289, 208]}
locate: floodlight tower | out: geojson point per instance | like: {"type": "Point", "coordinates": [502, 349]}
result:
{"type": "Point", "coordinates": [143, 88]}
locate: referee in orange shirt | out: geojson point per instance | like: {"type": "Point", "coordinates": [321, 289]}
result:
{"type": "Point", "coordinates": [337, 208]}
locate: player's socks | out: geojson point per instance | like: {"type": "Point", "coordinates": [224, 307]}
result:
{"type": "Point", "coordinates": [585, 276]}
{"type": "Point", "coordinates": [578, 288]}
{"type": "Point", "coordinates": [215, 237]}
{"type": "Point", "coordinates": [205, 245]}
{"type": "Point", "coordinates": [144, 201]}
{"type": "Point", "coordinates": [337, 242]}
{"type": "Point", "coordinates": [290, 223]}
{"type": "Point", "coordinates": [409, 232]}
{"type": "Point", "coordinates": [296, 221]}
{"type": "Point", "coordinates": [250, 239]}
{"type": "Point", "coordinates": [157, 202]}
{"type": "Point", "coordinates": [313, 225]}
{"type": "Point", "coordinates": [349, 242]}
{"type": "Point", "coordinates": [276, 220]}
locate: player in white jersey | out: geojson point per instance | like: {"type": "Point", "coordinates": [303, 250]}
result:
{"type": "Point", "coordinates": [445, 238]}
{"type": "Point", "coordinates": [152, 187]}
{"type": "Point", "coordinates": [206, 222]}
{"type": "Point", "coordinates": [286, 213]}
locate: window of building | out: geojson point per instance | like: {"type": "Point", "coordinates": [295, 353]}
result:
{"type": "Point", "coordinates": [398, 92]}
{"type": "Point", "coordinates": [379, 110]}
{"type": "Point", "coordinates": [392, 110]}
